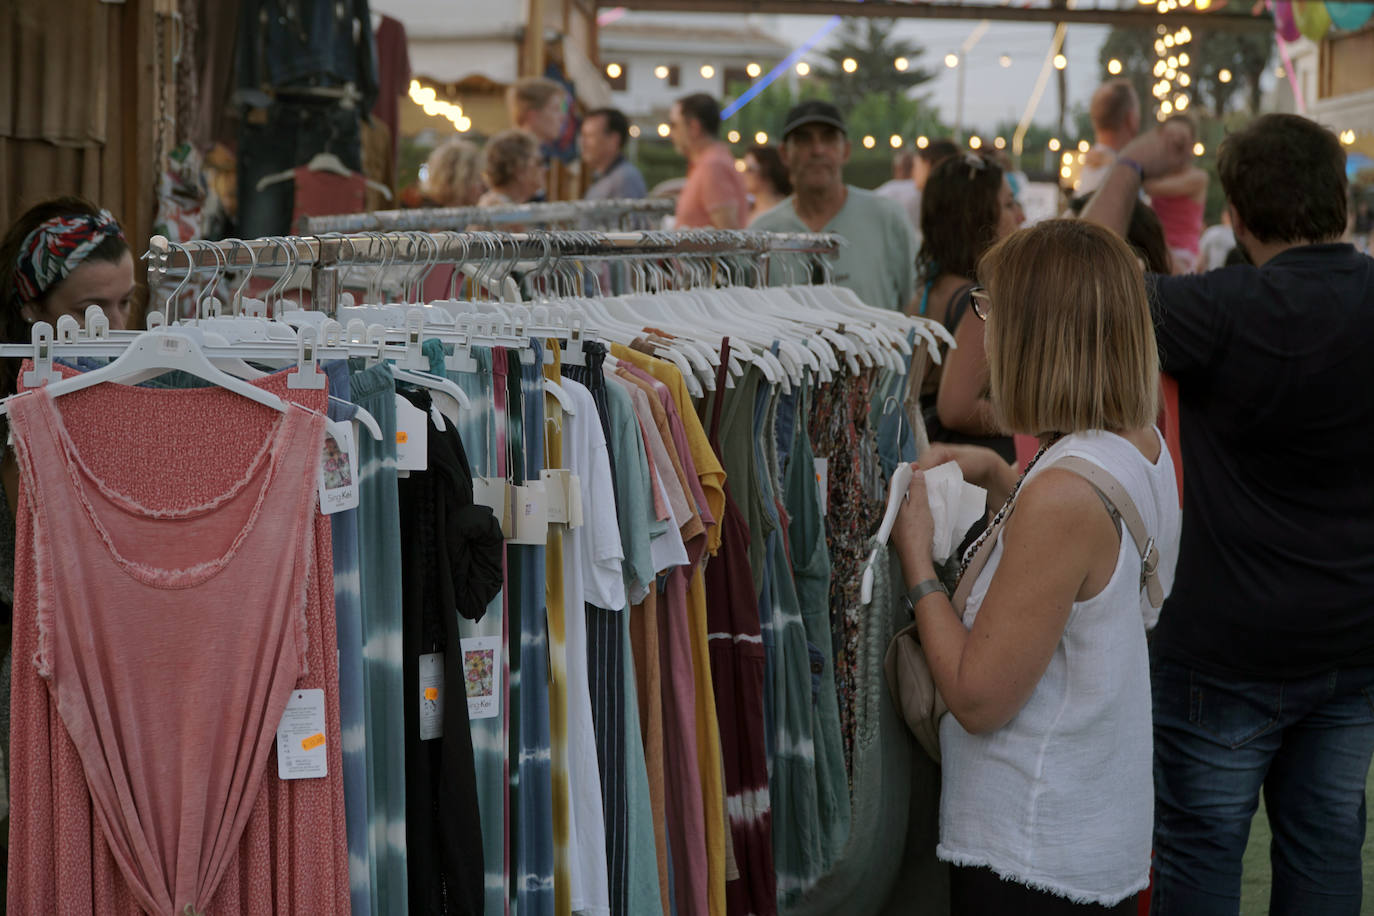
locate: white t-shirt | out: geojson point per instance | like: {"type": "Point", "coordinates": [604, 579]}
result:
{"type": "Point", "coordinates": [1061, 798]}
{"type": "Point", "coordinates": [1216, 243]}
{"type": "Point", "coordinates": [591, 574]}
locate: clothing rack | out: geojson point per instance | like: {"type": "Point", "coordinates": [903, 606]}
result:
{"type": "Point", "coordinates": [324, 255]}
{"type": "Point", "coordinates": [625, 213]}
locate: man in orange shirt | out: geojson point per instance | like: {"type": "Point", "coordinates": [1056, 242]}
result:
{"type": "Point", "coordinates": [714, 194]}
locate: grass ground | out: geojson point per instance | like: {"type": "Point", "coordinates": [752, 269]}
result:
{"type": "Point", "coordinates": [1254, 900]}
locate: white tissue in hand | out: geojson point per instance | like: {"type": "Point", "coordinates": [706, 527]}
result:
{"type": "Point", "coordinates": [954, 506]}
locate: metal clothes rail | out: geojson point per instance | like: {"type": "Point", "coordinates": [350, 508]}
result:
{"type": "Point", "coordinates": [588, 214]}
{"type": "Point", "coordinates": [325, 255]}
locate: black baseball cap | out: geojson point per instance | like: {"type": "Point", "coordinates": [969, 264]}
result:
{"type": "Point", "coordinates": [814, 111]}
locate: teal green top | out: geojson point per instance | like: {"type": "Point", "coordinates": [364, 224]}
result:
{"type": "Point", "coordinates": [878, 264]}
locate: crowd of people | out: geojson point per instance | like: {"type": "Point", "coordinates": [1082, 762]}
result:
{"type": "Point", "coordinates": [1081, 762]}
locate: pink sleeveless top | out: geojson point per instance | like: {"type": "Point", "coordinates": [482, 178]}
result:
{"type": "Point", "coordinates": [143, 771]}
{"type": "Point", "coordinates": [1181, 218]}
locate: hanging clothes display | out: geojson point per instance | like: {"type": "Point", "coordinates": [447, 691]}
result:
{"type": "Point", "coordinates": [585, 624]}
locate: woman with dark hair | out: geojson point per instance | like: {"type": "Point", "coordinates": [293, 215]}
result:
{"type": "Point", "coordinates": [968, 206]}
{"type": "Point", "coordinates": [765, 178]}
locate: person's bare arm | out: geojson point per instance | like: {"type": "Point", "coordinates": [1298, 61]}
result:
{"type": "Point", "coordinates": [1157, 153]}
{"type": "Point", "coordinates": [725, 216]}
{"type": "Point", "coordinates": [1058, 548]}
{"type": "Point", "coordinates": [1190, 183]}
{"type": "Point", "coordinates": [961, 402]}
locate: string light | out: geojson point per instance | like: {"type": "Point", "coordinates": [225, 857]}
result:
{"type": "Point", "coordinates": [634, 130]}
{"type": "Point", "coordinates": [1347, 137]}
{"type": "Point", "coordinates": [614, 70]}
{"type": "Point", "coordinates": [951, 60]}
{"type": "Point", "coordinates": [803, 68]}
{"type": "Point", "coordinates": [661, 72]}
{"type": "Point", "coordinates": [1065, 172]}
{"type": "Point", "coordinates": [707, 71]}
{"type": "Point", "coordinates": [753, 70]}
{"type": "Point", "coordinates": [1067, 158]}
{"type": "Point", "coordinates": [1224, 76]}
{"type": "Point", "coordinates": [975, 142]}
{"type": "Point", "coordinates": [1000, 142]}
{"type": "Point", "coordinates": [1060, 61]}
{"type": "Point", "coordinates": [1184, 60]}
{"type": "Point", "coordinates": [1166, 107]}
{"type": "Point", "coordinates": [733, 136]}
{"type": "Point", "coordinates": [761, 138]}
{"type": "Point", "coordinates": [1184, 79]}
{"type": "Point", "coordinates": [1170, 73]}
{"type": "Point", "coordinates": [922, 142]}
{"type": "Point", "coordinates": [1172, 62]}
{"type": "Point", "coordinates": [1005, 61]}
{"type": "Point", "coordinates": [1054, 144]}
{"type": "Point", "coordinates": [739, 165]}
{"type": "Point", "coordinates": [1185, 35]}
{"type": "Point", "coordinates": [1114, 66]}
{"type": "Point", "coordinates": [1160, 47]}
{"type": "Point", "coordinates": [1199, 149]}
{"type": "Point", "coordinates": [849, 65]}
{"type": "Point", "coordinates": [1204, 5]}
{"type": "Point", "coordinates": [1083, 146]}
{"type": "Point", "coordinates": [1168, 41]}
{"type": "Point", "coordinates": [1181, 102]}
{"type": "Point", "coordinates": [869, 142]}
{"type": "Point", "coordinates": [1279, 72]}
{"type": "Point", "coordinates": [663, 129]}
{"type": "Point", "coordinates": [428, 100]}
{"type": "Point", "coordinates": [895, 141]}
{"type": "Point", "coordinates": [901, 64]}
{"type": "Point", "coordinates": [1160, 67]}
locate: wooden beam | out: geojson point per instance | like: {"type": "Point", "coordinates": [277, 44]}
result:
{"type": "Point", "coordinates": [1138, 17]}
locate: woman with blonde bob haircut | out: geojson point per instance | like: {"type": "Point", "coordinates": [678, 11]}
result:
{"type": "Point", "coordinates": [1047, 796]}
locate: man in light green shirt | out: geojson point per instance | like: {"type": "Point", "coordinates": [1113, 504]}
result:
{"type": "Point", "coordinates": [879, 261]}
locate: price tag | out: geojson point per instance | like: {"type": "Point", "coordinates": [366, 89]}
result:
{"type": "Point", "coordinates": [412, 436]}
{"type": "Point", "coordinates": [431, 696]}
{"type": "Point", "coordinates": [301, 745]}
{"type": "Point", "coordinates": [338, 478]}
{"type": "Point", "coordinates": [493, 492]}
{"type": "Point", "coordinates": [823, 481]}
{"type": "Point", "coordinates": [531, 514]}
{"type": "Point", "coordinates": [482, 676]}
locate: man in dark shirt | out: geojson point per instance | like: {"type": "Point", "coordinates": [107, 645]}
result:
{"type": "Point", "coordinates": [1263, 661]}
{"type": "Point", "coordinates": [605, 132]}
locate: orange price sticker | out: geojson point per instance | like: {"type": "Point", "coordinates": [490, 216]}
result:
{"type": "Point", "coordinates": [402, 437]}
{"type": "Point", "coordinates": [431, 693]}
{"type": "Point", "coordinates": [312, 742]}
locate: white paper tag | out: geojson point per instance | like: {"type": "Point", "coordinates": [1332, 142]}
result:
{"type": "Point", "coordinates": [412, 436]}
{"type": "Point", "coordinates": [431, 696]}
{"type": "Point", "coordinates": [492, 492]}
{"type": "Point", "coordinates": [301, 743]}
{"type": "Point", "coordinates": [482, 675]}
{"type": "Point", "coordinates": [338, 478]}
{"type": "Point", "coordinates": [823, 481]}
{"type": "Point", "coordinates": [531, 514]}
{"type": "Point", "coordinates": [555, 481]}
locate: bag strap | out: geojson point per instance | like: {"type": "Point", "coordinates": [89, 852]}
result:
{"type": "Point", "coordinates": [1123, 509]}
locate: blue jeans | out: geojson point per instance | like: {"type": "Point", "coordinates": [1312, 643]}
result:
{"type": "Point", "coordinates": [1307, 742]}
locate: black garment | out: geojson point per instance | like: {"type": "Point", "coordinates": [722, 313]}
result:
{"type": "Point", "coordinates": [450, 565]}
{"type": "Point", "coordinates": [979, 892]}
{"type": "Point", "coordinates": [1275, 370]}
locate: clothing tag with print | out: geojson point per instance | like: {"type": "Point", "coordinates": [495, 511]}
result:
{"type": "Point", "coordinates": [823, 481]}
{"type": "Point", "coordinates": [431, 696]}
{"type": "Point", "coordinates": [531, 514]}
{"type": "Point", "coordinates": [574, 501]}
{"type": "Point", "coordinates": [493, 492]}
{"type": "Point", "coordinates": [412, 436]}
{"type": "Point", "coordinates": [338, 478]}
{"type": "Point", "coordinates": [482, 676]}
{"type": "Point", "coordinates": [301, 750]}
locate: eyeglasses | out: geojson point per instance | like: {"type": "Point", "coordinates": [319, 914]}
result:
{"type": "Point", "coordinates": [981, 302]}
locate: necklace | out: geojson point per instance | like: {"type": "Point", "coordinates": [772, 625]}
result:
{"type": "Point", "coordinates": [1006, 507]}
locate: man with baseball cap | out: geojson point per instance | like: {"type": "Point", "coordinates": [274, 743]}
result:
{"type": "Point", "coordinates": [879, 263]}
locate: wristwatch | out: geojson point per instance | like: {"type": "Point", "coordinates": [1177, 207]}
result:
{"type": "Point", "coordinates": [919, 591]}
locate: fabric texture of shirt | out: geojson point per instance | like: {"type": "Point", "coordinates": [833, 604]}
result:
{"type": "Point", "coordinates": [292, 852]}
{"type": "Point", "coordinates": [1273, 367]}
{"type": "Point", "coordinates": [879, 263]}
{"type": "Point", "coordinates": [712, 184]}
{"type": "Point", "coordinates": [903, 191]}
{"type": "Point", "coordinates": [620, 181]}
{"type": "Point", "coordinates": [1181, 218]}
{"type": "Point", "coordinates": [1061, 798]}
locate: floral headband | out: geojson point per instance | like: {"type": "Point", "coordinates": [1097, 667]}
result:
{"type": "Point", "coordinates": [58, 247]}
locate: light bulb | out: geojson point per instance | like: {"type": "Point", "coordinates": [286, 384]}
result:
{"type": "Point", "coordinates": [922, 142]}
{"type": "Point", "coordinates": [869, 142]}
{"type": "Point", "coordinates": [901, 64]}
{"type": "Point", "coordinates": [663, 129]}
{"type": "Point", "coordinates": [803, 68]}
{"type": "Point", "coordinates": [707, 71]}
{"type": "Point", "coordinates": [895, 141]}
{"type": "Point", "coordinates": [661, 72]}
{"type": "Point", "coordinates": [951, 60]}
{"type": "Point", "coordinates": [1000, 142]}
{"type": "Point", "coordinates": [975, 142]}
{"type": "Point", "coordinates": [1114, 66]}
{"type": "Point", "coordinates": [849, 65]}
{"type": "Point", "coordinates": [1054, 144]}
{"type": "Point", "coordinates": [753, 70]}
{"type": "Point", "coordinates": [733, 136]}
{"type": "Point", "coordinates": [761, 138]}
{"type": "Point", "coordinates": [614, 71]}
{"type": "Point", "coordinates": [1060, 61]}
{"type": "Point", "coordinates": [1224, 76]}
